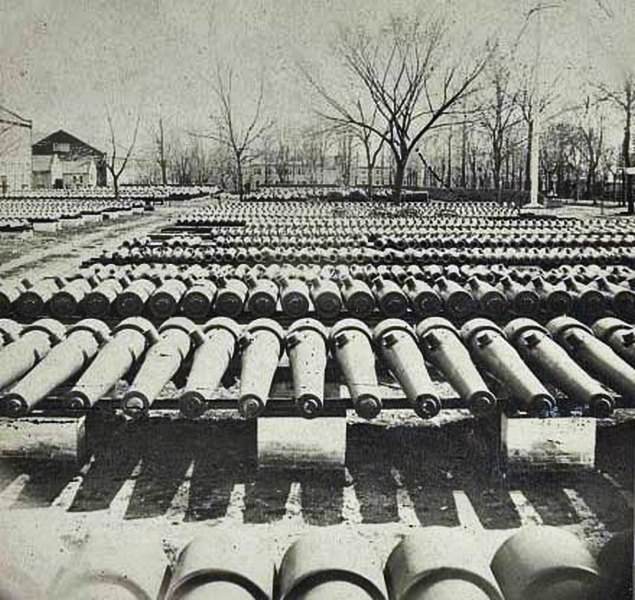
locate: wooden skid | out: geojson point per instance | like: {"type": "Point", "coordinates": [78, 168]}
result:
{"type": "Point", "coordinates": [47, 438]}
{"type": "Point", "coordinates": [558, 443]}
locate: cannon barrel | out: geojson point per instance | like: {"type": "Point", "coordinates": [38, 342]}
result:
{"type": "Point", "coordinates": [34, 343]}
{"type": "Point", "coordinates": [547, 563]}
{"type": "Point", "coordinates": [64, 360]}
{"type": "Point", "coordinates": [351, 343]}
{"type": "Point", "coordinates": [442, 346]}
{"type": "Point", "coordinates": [582, 345]}
{"type": "Point", "coordinates": [162, 361]}
{"type": "Point", "coordinates": [488, 344]}
{"type": "Point", "coordinates": [65, 302]}
{"type": "Point", "coordinates": [294, 297]}
{"type": "Point", "coordinates": [262, 348]}
{"type": "Point", "coordinates": [263, 296]}
{"type": "Point", "coordinates": [439, 563]}
{"type": "Point", "coordinates": [164, 301]}
{"type": "Point", "coordinates": [224, 567]}
{"type": "Point", "coordinates": [210, 362]}
{"type": "Point", "coordinates": [391, 300]}
{"type": "Point", "coordinates": [618, 335]}
{"type": "Point", "coordinates": [315, 568]}
{"type": "Point", "coordinates": [358, 298]}
{"type": "Point", "coordinates": [9, 331]}
{"type": "Point", "coordinates": [230, 298]}
{"type": "Point", "coordinates": [397, 344]}
{"type": "Point", "coordinates": [537, 347]}
{"type": "Point", "coordinates": [98, 301]}
{"type": "Point", "coordinates": [131, 302]}
{"type": "Point", "coordinates": [423, 299]}
{"type": "Point", "coordinates": [129, 341]}
{"type": "Point", "coordinates": [306, 343]}
{"type": "Point", "coordinates": [326, 297]}
{"type": "Point", "coordinates": [197, 302]}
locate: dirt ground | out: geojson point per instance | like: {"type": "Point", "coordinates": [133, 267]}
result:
{"type": "Point", "coordinates": [168, 479]}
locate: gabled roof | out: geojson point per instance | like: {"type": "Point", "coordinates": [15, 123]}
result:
{"type": "Point", "coordinates": [64, 137]}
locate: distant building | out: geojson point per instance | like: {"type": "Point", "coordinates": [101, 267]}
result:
{"type": "Point", "coordinates": [15, 152]}
{"type": "Point", "coordinates": [61, 160]}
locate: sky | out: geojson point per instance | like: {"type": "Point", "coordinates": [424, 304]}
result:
{"type": "Point", "coordinates": [63, 63]}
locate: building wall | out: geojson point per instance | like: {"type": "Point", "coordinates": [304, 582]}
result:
{"type": "Point", "coordinates": [15, 155]}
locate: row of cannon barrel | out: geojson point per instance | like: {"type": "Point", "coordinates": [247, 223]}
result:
{"type": "Point", "coordinates": [162, 290]}
{"type": "Point", "coordinates": [432, 563]}
{"type": "Point", "coordinates": [38, 358]}
{"type": "Point", "coordinates": [333, 252]}
{"type": "Point", "coordinates": [301, 235]}
{"type": "Point", "coordinates": [126, 193]}
{"type": "Point", "coordinates": [30, 213]}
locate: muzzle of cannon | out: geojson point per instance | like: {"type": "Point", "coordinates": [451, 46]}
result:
{"type": "Point", "coordinates": [358, 298]}
{"type": "Point", "coordinates": [197, 302]}
{"type": "Point", "coordinates": [331, 566]}
{"type": "Point", "coordinates": [439, 563]}
{"type": "Point", "coordinates": [554, 299]}
{"type": "Point", "coordinates": [397, 344]}
{"type": "Point", "coordinates": [306, 342]}
{"type": "Point", "coordinates": [524, 301]}
{"type": "Point", "coordinates": [131, 302]}
{"type": "Point", "coordinates": [224, 567]}
{"type": "Point", "coordinates": [618, 335]}
{"type": "Point", "coordinates": [390, 298]}
{"type": "Point", "coordinates": [547, 563]}
{"type": "Point", "coordinates": [130, 339]}
{"type": "Point", "coordinates": [262, 348]}
{"type": "Point", "coordinates": [108, 567]}
{"type": "Point", "coordinates": [164, 301]}
{"type": "Point", "coordinates": [326, 298]}
{"type": "Point", "coordinates": [491, 349]}
{"type": "Point", "coordinates": [9, 331]}
{"type": "Point", "coordinates": [65, 302]}
{"type": "Point", "coordinates": [351, 344]}
{"type": "Point", "coordinates": [263, 296]}
{"type": "Point", "coordinates": [230, 298]}
{"type": "Point", "coordinates": [492, 302]}
{"type": "Point", "coordinates": [594, 354]}
{"type": "Point", "coordinates": [537, 347]}
{"type": "Point", "coordinates": [458, 302]}
{"type": "Point", "coordinates": [162, 361]}
{"type": "Point", "coordinates": [9, 294]}
{"type": "Point", "coordinates": [33, 344]}
{"type": "Point", "coordinates": [97, 303]}
{"type": "Point", "coordinates": [423, 299]}
{"type": "Point", "coordinates": [294, 297]}
{"type": "Point", "coordinates": [210, 362]}
{"type": "Point", "coordinates": [32, 301]}
{"type": "Point", "coordinates": [442, 346]}
{"type": "Point", "coordinates": [64, 360]}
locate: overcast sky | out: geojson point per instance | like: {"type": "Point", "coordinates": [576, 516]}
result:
{"type": "Point", "coordinates": [63, 61]}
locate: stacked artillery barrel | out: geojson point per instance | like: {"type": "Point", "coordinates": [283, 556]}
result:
{"type": "Point", "coordinates": [367, 295]}
{"type": "Point", "coordinates": [433, 563]}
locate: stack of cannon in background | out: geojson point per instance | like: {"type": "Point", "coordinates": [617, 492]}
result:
{"type": "Point", "coordinates": [519, 310]}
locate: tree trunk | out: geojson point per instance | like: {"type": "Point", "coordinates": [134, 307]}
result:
{"type": "Point", "coordinates": [400, 169]}
{"type": "Point", "coordinates": [239, 177]}
{"type": "Point", "coordinates": [115, 185]}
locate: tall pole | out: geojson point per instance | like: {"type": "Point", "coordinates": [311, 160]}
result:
{"type": "Point", "coordinates": [535, 116]}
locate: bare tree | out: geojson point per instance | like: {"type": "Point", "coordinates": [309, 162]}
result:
{"type": "Point", "coordinates": [116, 170]}
{"type": "Point", "coordinates": [241, 141]}
{"type": "Point", "coordinates": [500, 114]}
{"type": "Point", "coordinates": [624, 99]}
{"type": "Point", "coordinates": [591, 128]}
{"type": "Point", "coordinates": [411, 75]}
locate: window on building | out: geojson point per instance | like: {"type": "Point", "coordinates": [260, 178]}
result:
{"type": "Point", "coordinates": [61, 147]}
